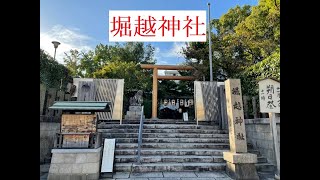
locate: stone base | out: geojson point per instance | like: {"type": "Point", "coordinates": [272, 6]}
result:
{"type": "Point", "coordinates": [73, 176]}
{"type": "Point", "coordinates": [75, 164]}
{"type": "Point", "coordinates": [134, 113]}
{"type": "Point", "coordinates": [241, 166]}
{"type": "Point", "coordinates": [242, 171]}
{"type": "Point", "coordinates": [133, 117]}
{"type": "Point", "coordinates": [237, 158]}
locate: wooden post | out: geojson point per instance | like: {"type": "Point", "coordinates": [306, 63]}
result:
{"type": "Point", "coordinates": [245, 107]}
{"type": "Point", "coordinates": [67, 97]}
{"type": "Point", "coordinates": [50, 100]}
{"type": "Point", "coordinates": [42, 97]}
{"type": "Point", "coordinates": [254, 106]}
{"type": "Point", "coordinates": [55, 142]}
{"type": "Point", "coordinates": [98, 140]}
{"type": "Point", "coordinates": [224, 119]}
{"type": "Point", "coordinates": [274, 132]}
{"type": "Point", "coordinates": [60, 97]}
{"type": "Point", "coordinates": [60, 140]}
{"type": "Point", "coordinates": [155, 94]}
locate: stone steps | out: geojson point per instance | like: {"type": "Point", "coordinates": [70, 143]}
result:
{"type": "Point", "coordinates": [265, 167]}
{"type": "Point", "coordinates": [169, 167]}
{"type": "Point", "coordinates": [173, 145]}
{"type": "Point", "coordinates": [189, 131]}
{"type": "Point", "coordinates": [187, 166]}
{"type": "Point", "coordinates": [159, 121]}
{"type": "Point", "coordinates": [148, 122]}
{"type": "Point", "coordinates": [172, 140]}
{"type": "Point", "coordinates": [155, 126]}
{"type": "Point", "coordinates": [163, 135]}
{"type": "Point", "coordinates": [176, 152]}
{"type": "Point", "coordinates": [179, 159]}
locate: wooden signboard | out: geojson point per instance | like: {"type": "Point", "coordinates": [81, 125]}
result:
{"type": "Point", "coordinates": [269, 96]}
{"type": "Point", "coordinates": [75, 141]}
{"type": "Point", "coordinates": [78, 123]}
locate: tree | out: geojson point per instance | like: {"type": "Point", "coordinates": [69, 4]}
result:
{"type": "Point", "coordinates": [245, 45]}
{"type": "Point", "coordinates": [260, 35]}
{"type": "Point", "coordinates": [227, 54]}
{"type": "Point", "coordinates": [72, 60]}
{"type": "Point", "coordinates": [269, 67]}
{"type": "Point", "coordinates": [51, 72]}
{"type": "Point", "coordinates": [260, 32]}
{"type": "Point", "coordinates": [86, 64]}
{"type": "Point", "coordinates": [134, 77]}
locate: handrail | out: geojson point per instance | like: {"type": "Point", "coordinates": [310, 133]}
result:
{"type": "Point", "coordinates": [140, 135]}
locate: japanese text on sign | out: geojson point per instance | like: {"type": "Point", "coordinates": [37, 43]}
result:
{"type": "Point", "coordinates": [150, 26]}
{"type": "Point", "coordinates": [269, 96]}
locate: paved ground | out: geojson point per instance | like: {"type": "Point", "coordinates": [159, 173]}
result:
{"type": "Point", "coordinates": [163, 175]}
{"type": "Point", "coordinates": [172, 176]}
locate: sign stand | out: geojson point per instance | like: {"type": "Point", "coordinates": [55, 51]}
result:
{"type": "Point", "coordinates": [185, 116]}
{"type": "Point", "coordinates": [269, 97]}
{"type": "Point", "coordinates": [273, 127]}
{"type": "Point", "coordinates": [108, 157]}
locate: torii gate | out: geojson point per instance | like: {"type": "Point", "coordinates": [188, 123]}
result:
{"type": "Point", "coordinates": [156, 78]}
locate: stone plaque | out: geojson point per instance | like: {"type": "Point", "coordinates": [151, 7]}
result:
{"type": "Point", "coordinates": [108, 155]}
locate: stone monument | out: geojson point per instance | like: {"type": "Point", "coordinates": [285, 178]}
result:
{"type": "Point", "coordinates": [135, 107]}
{"type": "Point", "coordinates": [240, 164]}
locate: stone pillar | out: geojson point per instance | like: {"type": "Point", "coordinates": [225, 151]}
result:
{"type": "Point", "coordinates": [240, 164]}
{"type": "Point", "coordinates": [155, 94]}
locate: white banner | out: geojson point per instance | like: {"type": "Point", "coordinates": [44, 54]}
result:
{"type": "Point", "coordinates": [161, 26]}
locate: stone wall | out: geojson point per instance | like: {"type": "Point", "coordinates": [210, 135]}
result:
{"type": "Point", "coordinates": [47, 134]}
{"type": "Point", "coordinates": [258, 133]}
{"type": "Point", "coordinates": [75, 164]}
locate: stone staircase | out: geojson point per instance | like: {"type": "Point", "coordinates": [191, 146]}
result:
{"type": "Point", "coordinates": [170, 145]}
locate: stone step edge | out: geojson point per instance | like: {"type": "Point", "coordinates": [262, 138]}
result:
{"type": "Point", "coordinates": [181, 164]}
{"type": "Point", "coordinates": [219, 144]}
{"type": "Point", "coordinates": [189, 149]}
{"type": "Point", "coordinates": [166, 156]}
{"type": "Point", "coordinates": [174, 156]}
{"type": "Point", "coordinates": [168, 138]}
{"type": "Point", "coordinates": [167, 133]}
{"type": "Point", "coordinates": [171, 164]}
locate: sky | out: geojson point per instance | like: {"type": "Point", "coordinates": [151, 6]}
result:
{"type": "Point", "coordinates": [83, 24]}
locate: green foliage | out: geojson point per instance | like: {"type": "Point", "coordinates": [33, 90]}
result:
{"type": "Point", "coordinates": [147, 103]}
{"type": "Point", "coordinates": [260, 32]}
{"type": "Point", "coordinates": [227, 52]}
{"type": "Point", "coordinates": [118, 61]}
{"type": "Point", "coordinates": [246, 45]}
{"type": "Point", "coordinates": [134, 77]}
{"type": "Point", "coordinates": [268, 68]}
{"type": "Point", "coordinates": [51, 72]}
{"type": "Point", "coordinates": [87, 64]}
{"type": "Point", "coordinates": [72, 61]}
